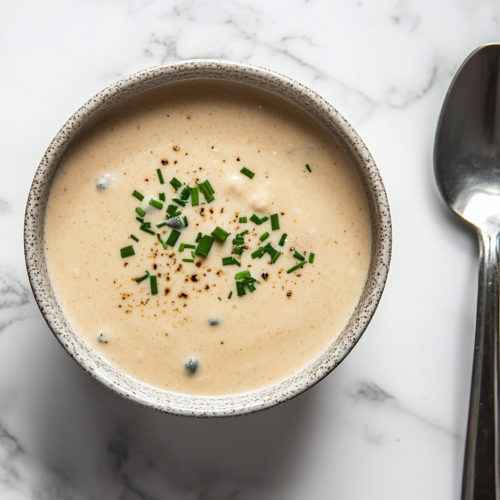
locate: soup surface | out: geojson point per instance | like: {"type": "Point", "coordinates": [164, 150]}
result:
{"type": "Point", "coordinates": [195, 332]}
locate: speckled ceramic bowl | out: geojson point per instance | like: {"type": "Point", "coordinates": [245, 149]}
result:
{"type": "Point", "coordinates": [182, 404]}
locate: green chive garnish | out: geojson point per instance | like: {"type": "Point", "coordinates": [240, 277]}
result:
{"type": "Point", "coordinates": [243, 220]}
{"type": "Point", "coordinates": [173, 237]}
{"type": "Point", "coordinates": [311, 258]}
{"type": "Point", "coordinates": [258, 253]}
{"type": "Point", "coordinates": [298, 256]}
{"type": "Point", "coordinates": [163, 243]}
{"type": "Point", "coordinates": [275, 222]}
{"type": "Point", "coordinates": [138, 195]}
{"type": "Point", "coordinates": [146, 224]}
{"type": "Point", "coordinates": [182, 246]}
{"type": "Point", "coordinates": [198, 238]}
{"type": "Point", "coordinates": [154, 285]}
{"type": "Point", "coordinates": [140, 212]}
{"type": "Point", "coordinates": [161, 224]}
{"type": "Point", "coordinates": [162, 197]}
{"type": "Point", "coordinates": [256, 219]}
{"type": "Point", "coordinates": [250, 287]}
{"type": "Point", "coordinates": [160, 176]}
{"type": "Point", "coordinates": [230, 294]}
{"type": "Point", "coordinates": [186, 193]}
{"type": "Point", "coordinates": [156, 203]}
{"type": "Point", "coordinates": [135, 238]}
{"type": "Point", "coordinates": [180, 202]}
{"type": "Point", "coordinates": [189, 246]}
{"type": "Point", "coordinates": [146, 229]}
{"type": "Point", "coordinates": [140, 220]}
{"type": "Point", "coordinates": [142, 278]}
{"type": "Point", "coordinates": [242, 274]}
{"type": "Point", "coordinates": [283, 239]}
{"type": "Point", "coordinates": [264, 219]}
{"type": "Point", "coordinates": [238, 250]}
{"type": "Point", "coordinates": [240, 288]}
{"type": "Point", "coordinates": [204, 245]}
{"type": "Point", "coordinates": [176, 183]}
{"type": "Point", "coordinates": [185, 219]}
{"type": "Point", "coordinates": [308, 168]}
{"type": "Point", "coordinates": [187, 260]}
{"type": "Point", "coordinates": [209, 187]}
{"type": "Point", "coordinates": [220, 234]}
{"type": "Point", "coordinates": [127, 251]}
{"type": "Point", "coordinates": [230, 261]}
{"type": "Point", "coordinates": [247, 172]}
{"type": "Point", "coordinates": [206, 190]}
{"type": "Point", "coordinates": [276, 256]}
{"type": "Point", "coordinates": [195, 196]}
{"type": "Point", "coordinates": [173, 211]}
{"type": "Point", "coordinates": [264, 237]}
{"type": "Point", "coordinates": [296, 266]}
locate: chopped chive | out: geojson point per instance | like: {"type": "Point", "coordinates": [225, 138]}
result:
{"type": "Point", "coordinates": [238, 250]}
{"type": "Point", "coordinates": [156, 203]}
{"type": "Point", "coordinates": [141, 220]}
{"type": "Point", "coordinates": [163, 243]}
{"type": "Point", "coordinates": [264, 236]}
{"type": "Point", "coordinates": [160, 176]}
{"type": "Point", "coordinates": [230, 294]}
{"type": "Point", "coordinates": [176, 183]}
{"type": "Point", "coordinates": [256, 219]}
{"type": "Point", "coordinates": [182, 246]}
{"type": "Point", "coordinates": [311, 258]}
{"type": "Point", "coordinates": [193, 255]}
{"type": "Point", "coordinates": [250, 287]}
{"type": "Point", "coordinates": [258, 253]}
{"type": "Point", "coordinates": [138, 195]}
{"type": "Point", "coordinates": [185, 219]}
{"type": "Point", "coordinates": [243, 220]}
{"type": "Point", "coordinates": [239, 240]}
{"type": "Point", "coordinates": [135, 238]}
{"type": "Point", "coordinates": [206, 191]}
{"type": "Point", "coordinates": [247, 172]}
{"type": "Point", "coordinates": [162, 197]}
{"type": "Point", "coordinates": [161, 224]}
{"type": "Point", "coordinates": [174, 236]}
{"type": "Point", "coordinates": [308, 168]}
{"type": "Point", "coordinates": [146, 229]}
{"type": "Point", "coordinates": [140, 212]}
{"type": "Point", "coordinates": [297, 255]}
{"type": "Point", "coordinates": [186, 193]}
{"type": "Point", "coordinates": [195, 196]}
{"type": "Point", "coordinates": [172, 211]}
{"type": "Point", "coordinates": [142, 278]}
{"type": "Point", "coordinates": [204, 245]}
{"type": "Point", "coordinates": [209, 187]}
{"type": "Point", "coordinates": [242, 274]}
{"type": "Point", "coordinates": [220, 234]}
{"type": "Point", "coordinates": [275, 222]}
{"type": "Point", "coordinates": [127, 251]}
{"type": "Point", "coordinates": [180, 202]}
{"type": "Point", "coordinates": [296, 266]}
{"type": "Point", "coordinates": [271, 251]}
{"type": "Point", "coordinates": [154, 285]}
{"type": "Point", "coordinates": [146, 224]}
{"type": "Point", "coordinates": [283, 239]}
{"type": "Point", "coordinates": [276, 256]}
{"type": "Point", "coordinates": [198, 238]}
{"type": "Point", "coordinates": [189, 246]}
{"type": "Point", "coordinates": [240, 288]}
{"type": "Point", "coordinates": [187, 260]}
{"type": "Point", "coordinates": [264, 219]}
{"type": "Point", "coordinates": [228, 261]}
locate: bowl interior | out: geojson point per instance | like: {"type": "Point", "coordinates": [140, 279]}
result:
{"type": "Point", "coordinates": [183, 404]}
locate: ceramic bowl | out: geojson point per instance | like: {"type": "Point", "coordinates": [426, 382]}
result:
{"type": "Point", "coordinates": [182, 404]}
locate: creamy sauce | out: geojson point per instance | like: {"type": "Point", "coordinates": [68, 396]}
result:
{"type": "Point", "coordinates": [193, 132]}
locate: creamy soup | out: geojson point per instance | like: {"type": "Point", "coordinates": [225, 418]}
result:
{"type": "Point", "coordinates": [266, 299]}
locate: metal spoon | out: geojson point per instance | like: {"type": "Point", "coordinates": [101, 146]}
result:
{"type": "Point", "coordinates": [467, 170]}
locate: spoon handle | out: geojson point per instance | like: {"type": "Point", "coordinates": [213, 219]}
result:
{"type": "Point", "coordinates": [481, 464]}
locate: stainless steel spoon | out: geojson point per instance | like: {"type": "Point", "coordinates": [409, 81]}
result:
{"type": "Point", "coordinates": [467, 169]}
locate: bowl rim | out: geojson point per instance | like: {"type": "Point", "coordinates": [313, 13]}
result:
{"type": "Point", "coordinates": [186, 404]}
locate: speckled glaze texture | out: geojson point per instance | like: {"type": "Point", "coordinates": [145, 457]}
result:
{"type": "Point", "coordinates": [189, 405]}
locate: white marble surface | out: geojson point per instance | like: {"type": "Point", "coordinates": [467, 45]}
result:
{"type": "Point", "coordinates": [389, 422]}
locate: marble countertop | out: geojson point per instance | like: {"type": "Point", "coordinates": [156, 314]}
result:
{"type": "Point", "coordinates": [389, 423]}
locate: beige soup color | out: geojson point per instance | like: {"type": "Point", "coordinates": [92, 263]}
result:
{"type": "Point", "coordinates": [197, 131]}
